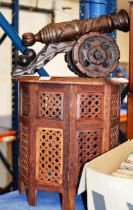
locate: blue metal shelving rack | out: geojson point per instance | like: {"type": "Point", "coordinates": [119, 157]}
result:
{"type": "Point", "coordinates": [97, 8]}
{"type": "Point", "coordinates": [15, 19]}
{"type": "Point", "coordinates": [14, 170]}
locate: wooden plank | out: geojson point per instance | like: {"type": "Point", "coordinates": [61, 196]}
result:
{"type": "Point", "coordinates": [130, 117]}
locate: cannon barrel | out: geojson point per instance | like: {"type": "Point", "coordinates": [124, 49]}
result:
{"type": "Point", "coordinates": [71, 30]}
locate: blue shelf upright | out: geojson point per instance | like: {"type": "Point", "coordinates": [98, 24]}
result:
{"type": "Point", "coordinates": [96, 8]}
{"type": "Point", "coordinates": [15, 19]}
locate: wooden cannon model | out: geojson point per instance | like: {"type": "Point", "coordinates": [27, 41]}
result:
{"type": "Point", "coordinates": [89, 51]}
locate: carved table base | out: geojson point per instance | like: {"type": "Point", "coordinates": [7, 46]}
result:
{"type": "Point", "coordinates": [64, 122]}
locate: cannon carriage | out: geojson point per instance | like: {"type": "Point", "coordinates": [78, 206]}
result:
{"type": "Point", "coordinates": [89, 50]}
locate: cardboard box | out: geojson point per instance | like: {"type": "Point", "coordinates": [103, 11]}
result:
{"type": "Point", "coordinates": [104, 191]}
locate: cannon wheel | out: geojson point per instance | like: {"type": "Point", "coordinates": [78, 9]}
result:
{"type": "Point", "coordinates": [93, 55]}
{"type": "Point", "coordinates": [68, 59]}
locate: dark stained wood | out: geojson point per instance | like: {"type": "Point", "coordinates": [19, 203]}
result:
{"type": "Point", "coordinates": [94, 55]}
{"type": "Point", "coordinates": [31, 195]}
{"type": "Point", "coordinates": [130, 116]}
{"type": "Point", "coordinates": [70, 80]}
{"type": "Point", "coordinates": [89, 51]}
{"type": "Point", "coordinates": [64, 123]}
{"type": "Point", "coordinates": [21, 187]}
{"type": "Point", "coordinates": [68, 31]}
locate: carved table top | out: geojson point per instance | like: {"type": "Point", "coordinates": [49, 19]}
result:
{"type": "Point", "coordinates": [71, 80]}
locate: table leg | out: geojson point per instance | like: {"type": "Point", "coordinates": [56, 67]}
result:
{"type": "Point", "coordinates": [21, 187]}
{"type": "Point", "coordinates": [32, 196]}
{"type": "Point", "coordinates": [68, 201]}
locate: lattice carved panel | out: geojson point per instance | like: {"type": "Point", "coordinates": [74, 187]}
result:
{"type": "Point", "coordinates": [24, 150]}
{"type": "Point", "coordinates": [88, 145]}
{"type": "Point", "coordinates": [25, 103]}
{"type": "Point", "coordinates": [49, 155]}
{"type": "Point", "coordinates": [90, 105]}
{"type": "Point", "coordinates": [114, 134]}
{"type": "Point", "coordinates": [51, 105]}
{"type": "Point", "coordinates": [114, 105]}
